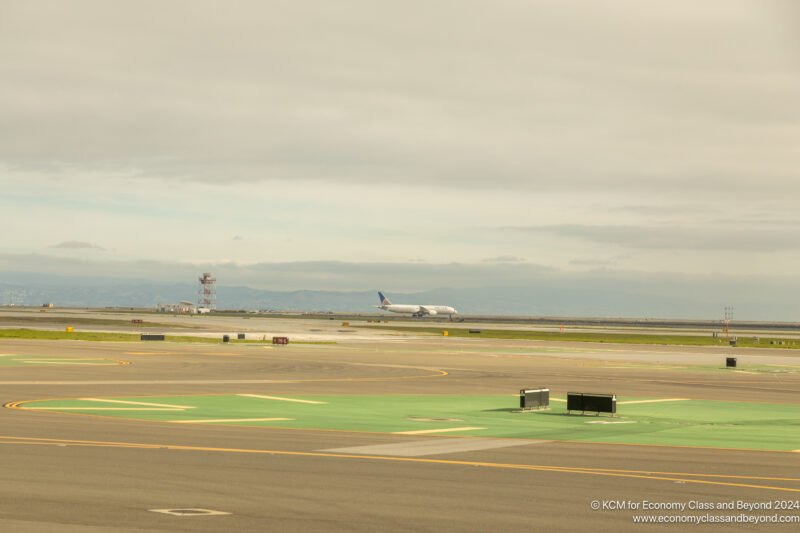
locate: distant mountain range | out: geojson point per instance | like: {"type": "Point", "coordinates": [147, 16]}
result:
{"type": "Point", "coordinates": [614, 296]}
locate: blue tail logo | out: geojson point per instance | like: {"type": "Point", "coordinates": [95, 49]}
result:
{"type": "Point", "coordinates": [384, 299]}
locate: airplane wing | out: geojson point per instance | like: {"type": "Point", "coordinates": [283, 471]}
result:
{"type": "Point", "coordinates": [425, 311]}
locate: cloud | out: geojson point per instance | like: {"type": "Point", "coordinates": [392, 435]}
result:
{"type": "Point", "coordinates": [519, 95]}
{"type": "Point", "coordinates": [590, 262]}
{"type": "Point", "coordinates": [333, 131]}
{"type": "Point", "coordinates": [327, 275]}
{"type": "Point", "coordinates": [78, 245]}
{"type": "Point", "coordinates": [504, 259]}
{"type": "Point", "coordinates": [675, 237]}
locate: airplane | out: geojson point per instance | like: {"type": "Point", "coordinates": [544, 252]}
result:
{"type": "Point", "coordinates": [417, 311]}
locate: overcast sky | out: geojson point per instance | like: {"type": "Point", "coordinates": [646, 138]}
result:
{"type": "Point", "coordinates": [566, 136]}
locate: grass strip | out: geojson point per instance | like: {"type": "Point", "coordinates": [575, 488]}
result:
{"type": "Point", "coordinates": [616, 338]}
{"type": "Point", "coordinates": [39, 334]}
{"type": "Point", "coordinates": [82, 321]}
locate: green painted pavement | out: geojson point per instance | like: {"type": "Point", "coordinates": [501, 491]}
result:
{"type": "Point", "coordinates": [676, 423]}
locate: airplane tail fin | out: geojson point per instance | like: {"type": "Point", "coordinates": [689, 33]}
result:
{"type": "Point", "coordinates": [384, 299]}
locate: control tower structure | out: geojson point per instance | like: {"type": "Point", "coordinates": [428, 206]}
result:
{"type": "Point", "coordinates": [207, 292]}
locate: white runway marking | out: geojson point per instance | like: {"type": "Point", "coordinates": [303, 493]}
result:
{"type": "Point", "coordinates": [650, 367]}
{"type": "Point", "coordinates": [434, 446]}
{"type": "Point", "coordinates": [427, 431]}
{"type": "Point", "coordinates": [189, 512]}
{"type": "Point", "coordinates": [229, 420]}
{"type": "Point", "coordinates": [31, 362]}
{"type": "Point", "coordinates": [65, 358]}
{"type": "Point", "coordinates": [279, 398]}
{"type": "Point", "coordinates": [655, 401]}
{"type": "Point", "coordinates": [138, 403]}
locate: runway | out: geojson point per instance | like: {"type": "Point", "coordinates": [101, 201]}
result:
{"type": "Point", "coordinates": [79, 472]}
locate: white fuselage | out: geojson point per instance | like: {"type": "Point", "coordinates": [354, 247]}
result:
{"type": "Point", "coordinates": [419, 310]}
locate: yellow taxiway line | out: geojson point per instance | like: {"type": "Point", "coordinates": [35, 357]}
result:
{"type": "Point", "coordinates": [428, 431]}
{"type": "Point", "coordinates": [147, 404]}
{"type": "Point", "coordinates": [98, 409]}
{"type": "Point", "coordinates": [632, 474]}
{"type": "Point", "coordinates": [655, 401]}
{"type": "Point", "coordinates": [633, 401]}
{"type": "Point", "coordinates": [222, 420]}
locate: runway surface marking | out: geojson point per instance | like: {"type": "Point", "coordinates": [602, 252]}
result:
{"type": "Point", "coordinates": [434, 373]}
{"type": "Point", "coordinates": [138, 403]}
{"type": "Point", "coordinates": [59, 363]}
{"type": "Point", "coordinates": [432, 447]}
{"type": "Point", "coordinates": [735, 425]}
{"type": "Point", "coordinates": [151, 353]}
{"type": "Point", "coordinates": [229, 420]}
{"type": "Point", "coordinates": [48, 359]}
{"type": "Point", "coordinates": [279, 398]}
{"type": "Point", "coordinates": [655, 401]}
{"type": "Point", "coordinates": [643, 366]}
{"type": "Point", "coordinates": [98, 409]}
{"type": "Point", "coordinates": [36, 359]}
{"type": "Point", "coordinates": [445, 430]}
{"type": "Point", "coordinates": [192, 511]}
{"type": "Point", "coordinates": [632, 402]}
{"type": "Point", "coordinates": [632, 474]}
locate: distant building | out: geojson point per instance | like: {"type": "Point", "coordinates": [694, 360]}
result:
{"type": "Point", "coordinates": [179, 308]}
{"type": "Point", "coordinates": [48, 305]}
{"type": "Point", "coordinates": [184, 308]}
